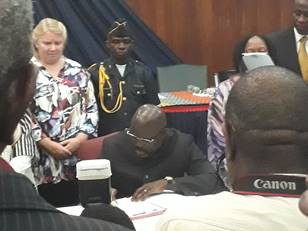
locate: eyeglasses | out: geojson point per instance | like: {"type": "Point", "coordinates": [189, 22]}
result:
{"type": "Point", "coordinates": [138, 138]}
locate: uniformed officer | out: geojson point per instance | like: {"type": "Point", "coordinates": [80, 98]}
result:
{"type": "Point", "coordinates": [121, 83]}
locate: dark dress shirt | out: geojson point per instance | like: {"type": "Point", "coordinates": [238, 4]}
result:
{"type": "Point", "coordinates": [178, 157]}
{"type": "Point", "coordinates": [140, 87]}
{"type": "Point", "coordinates": [22, 209]}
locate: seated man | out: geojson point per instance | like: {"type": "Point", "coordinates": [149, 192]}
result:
{"type": "Point", "coordinates": [266, 130]}
{"type": "Point", "coordinates": [21, 208]}
{"type": "Point", "coordinates": [148, 158]}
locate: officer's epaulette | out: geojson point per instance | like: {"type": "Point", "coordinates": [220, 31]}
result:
{"type": "Point", "coordinates": [92, 67]}
{"type": "Point", "coordinates": [95, 66]}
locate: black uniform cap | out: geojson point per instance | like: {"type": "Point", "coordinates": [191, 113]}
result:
{"type": "Point", "coordinates": [118, 29]}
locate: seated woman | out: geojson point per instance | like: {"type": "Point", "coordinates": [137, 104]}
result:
{"type": "Point", "coordinates": [65, 112]}
{"type": "Point", "coordinates": [216, 112]}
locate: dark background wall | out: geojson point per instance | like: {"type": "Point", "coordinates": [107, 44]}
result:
{"type": "Point", "coordinates": [205, 31]}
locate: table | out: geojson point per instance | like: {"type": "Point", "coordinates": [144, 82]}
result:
{"type": "Point", "coordinates": [187, 112]}
{"type": "Point", "coordinates": [166, 200]}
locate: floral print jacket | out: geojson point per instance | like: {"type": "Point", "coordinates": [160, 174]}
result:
{"type": "Point", "coordinates": [62, 108]}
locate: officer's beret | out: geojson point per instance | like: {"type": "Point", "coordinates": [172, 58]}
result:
{"type": "Point", "coordinates": [119, 29]}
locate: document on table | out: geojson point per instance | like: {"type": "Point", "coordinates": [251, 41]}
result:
{"type": "Point", "coordinates": [140, 209]}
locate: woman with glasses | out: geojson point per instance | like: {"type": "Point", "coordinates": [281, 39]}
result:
{"type": "Point", "coordinates": [216, 113]}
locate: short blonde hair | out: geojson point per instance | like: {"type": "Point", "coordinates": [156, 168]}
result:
{"type": "Point", "coordinates": [47, 25]}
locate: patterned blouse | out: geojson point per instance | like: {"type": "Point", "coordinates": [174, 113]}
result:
{"type": "Point", "coordinates": [62, 109]}
{"type": "Point", "coordinates": [216, 117]}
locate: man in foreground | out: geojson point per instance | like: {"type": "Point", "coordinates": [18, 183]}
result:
{"type": "Point", "coordinates": [148, 158]}
{"type": "Point", "coordinates": [20, 206]}
{"type": "Point", "coordinates": [266, 130]}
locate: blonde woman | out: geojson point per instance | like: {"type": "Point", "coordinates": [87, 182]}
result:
{"type": "Point", "coordinates": [64, 107]}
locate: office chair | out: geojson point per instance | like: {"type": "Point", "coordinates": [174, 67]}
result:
{"type": "Point", "coordinates": [91, 149]}
{"type": "Point", "coordinates": [223, 75]}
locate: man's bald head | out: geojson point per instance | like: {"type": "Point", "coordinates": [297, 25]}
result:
{"type": "Point", "coordinates": [266, 122]}
{"type": "Point", "coordinates": [148, 123]}
{"type": "Point", "coordinates": [149, 116]}
{"type": "Point", "coordinates": [269, 98]}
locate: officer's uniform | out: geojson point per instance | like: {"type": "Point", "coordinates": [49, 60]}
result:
{"type": "Point", "coordinates": [138, 87]}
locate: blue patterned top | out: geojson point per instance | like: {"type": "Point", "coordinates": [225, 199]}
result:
{"type": "Point", "coordinates": [216, 117]}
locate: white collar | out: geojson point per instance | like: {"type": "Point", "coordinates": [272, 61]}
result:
{"type": "Point", "coordinates": [298, 36]}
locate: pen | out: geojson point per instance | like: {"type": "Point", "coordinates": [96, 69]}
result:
{"type": "Point", "coordinates": [137, 214]}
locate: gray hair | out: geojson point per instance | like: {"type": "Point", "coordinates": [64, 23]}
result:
{"type": "Point", "coordinates": [15, 44]}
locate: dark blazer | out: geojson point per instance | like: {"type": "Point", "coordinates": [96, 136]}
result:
{"type": "Point", "coordinates": [285, 45]}
{"type": "Point", "coordinates": [22, 209]}
{"type": "Point", "coordinates": [178, 157]}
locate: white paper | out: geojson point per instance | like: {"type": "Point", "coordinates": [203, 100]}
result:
{"type": "Point", "coordinates": [255, 60]}
{"type": "Point", "coordinates": [140, 209]}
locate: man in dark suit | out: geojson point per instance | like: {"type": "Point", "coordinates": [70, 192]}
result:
{"type": "Point", "coordinates": [287, 41]}
{"type": "Point", "coordinates": [21, 208]}
{"type": "Point", "coordinates": [148, 158]}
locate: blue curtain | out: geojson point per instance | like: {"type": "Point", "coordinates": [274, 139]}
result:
{"type": "Point", "coordinates": [87, 22]}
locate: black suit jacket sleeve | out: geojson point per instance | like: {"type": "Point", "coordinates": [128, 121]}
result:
{"type": "Point", "coordinates": [201, 177]}
{"type": "Point", "coordinates": [285, 48]}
